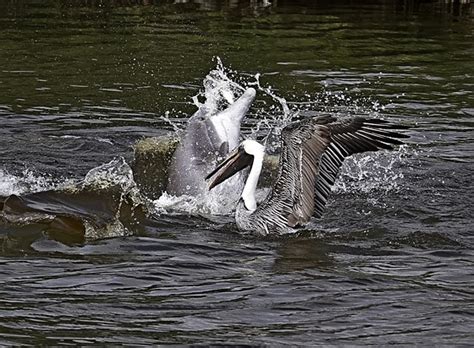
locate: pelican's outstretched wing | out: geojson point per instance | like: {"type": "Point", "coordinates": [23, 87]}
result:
{"type": "Point", "coordinates": [312, 153]}
{"type": "Point", "coordinates": [349, 137]}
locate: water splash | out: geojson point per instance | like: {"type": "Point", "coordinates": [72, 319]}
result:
{"type": "Point", "coordinates": [112, 174]}
{"type": "Point", "coordinates": [276, 120]}
{"type": "Point", "coordinates": [222, 86]}
{"type": "Point", "coordinates": [336, 102]}
{"type": "Point", "coordinates": [220, 90]}
{"type": "Point", "coordinates": [115, 172]}
{"type": "Point", "coordinates": [213, 203]}
{"type": "Point", "coordinates": [373, 174]}
{"type": "Point", "coordinates": [287, 115]}
{"type": "Point", "coordinates": [27, 182]}
{"type": "Point", "coordinates": [169, 204]}
{"type": "Point", "coordinates": [368, 173]}
{"type": "Point", "coordinates": [105, 177]}
{"type": "Point", "coordinates": [177, 128]}
{"type": "Point", "coordinates": [107, 203]}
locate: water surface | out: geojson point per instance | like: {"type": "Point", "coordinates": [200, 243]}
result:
{"type": "Point", "coordinates": [391, 262]}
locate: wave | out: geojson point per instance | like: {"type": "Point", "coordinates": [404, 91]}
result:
{"type": "Point", "coordinates": [107, 203]}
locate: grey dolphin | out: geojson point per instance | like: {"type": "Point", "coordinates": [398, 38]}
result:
{"type": "Point", "coordinates": [206, 139]}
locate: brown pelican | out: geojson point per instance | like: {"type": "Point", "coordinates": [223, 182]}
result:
{"type": "Point", "coordinates": [312, 153]}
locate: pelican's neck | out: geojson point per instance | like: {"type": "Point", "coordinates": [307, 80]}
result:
{"type": "Point", "coordinates": [248, 193]}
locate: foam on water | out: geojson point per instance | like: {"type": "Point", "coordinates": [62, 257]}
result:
{"type": "Point", "coordinates": [115, 172]}
{"type": "Point", "coordinates": [214, 203]}
{"type": "Point", "coordinates": [27, 182]}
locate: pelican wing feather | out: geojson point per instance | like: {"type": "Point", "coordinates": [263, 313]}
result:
{"type": "Point", "coordinates": [291, 201]}
{"type": "Point", "coordinates": [349, 137]}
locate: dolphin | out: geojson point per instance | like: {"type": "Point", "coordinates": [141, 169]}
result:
{"type": "Point", "coordinates": [207, 139]}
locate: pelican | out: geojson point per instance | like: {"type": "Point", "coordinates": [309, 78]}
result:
{"type": "Point", "coordinates": [207, 138]}
{"type": "Point", "coordinates": [312, 153]}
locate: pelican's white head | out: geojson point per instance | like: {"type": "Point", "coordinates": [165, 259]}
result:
{"type": "Point", "coordinates": [253, 148]}
{"type": "Point", "coordinates": [246, 154]}
{"type": "Point", "coordinates": [249, 152]}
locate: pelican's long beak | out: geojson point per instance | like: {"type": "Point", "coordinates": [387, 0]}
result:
{"type": "Point", "coordinates": [237, 160]}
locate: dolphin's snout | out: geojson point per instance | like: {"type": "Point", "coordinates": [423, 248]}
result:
{"type": "Point", "coordinates": [250, 93]}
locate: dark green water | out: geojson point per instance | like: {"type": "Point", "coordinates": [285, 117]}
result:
{"type": "Point", "coordinates": [392, 260]}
